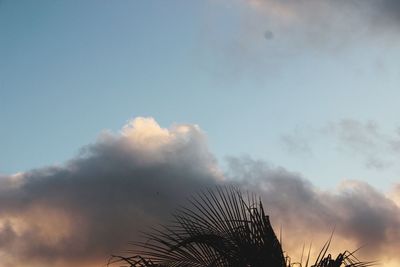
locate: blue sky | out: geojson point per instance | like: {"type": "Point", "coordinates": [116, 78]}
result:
{"type": "Point", "coordinates": [70, 69]}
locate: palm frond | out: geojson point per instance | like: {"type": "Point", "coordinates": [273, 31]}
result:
{"type": "Point", "coordinates": [220, 228]}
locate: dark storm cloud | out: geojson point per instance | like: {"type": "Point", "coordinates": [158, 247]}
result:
{"type": "Point", "coordinates": [92, 206]}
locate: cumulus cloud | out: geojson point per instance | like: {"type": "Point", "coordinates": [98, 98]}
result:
{"type": "Point", "coordinates": [79, 213]}
{"type": "Point", "coordinates": [101, 199]}
{"type": "Point", "coordinates": [360, 214]}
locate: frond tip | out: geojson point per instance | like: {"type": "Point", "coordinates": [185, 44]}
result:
{"type": "Point", "coordinates": [221, 228]}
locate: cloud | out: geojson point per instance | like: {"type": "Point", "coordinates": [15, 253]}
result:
{"type": "Point", "coordinates": [310, 27]}
{"type": "Point", "coordinates": [100, 200]}
{"type": "Point", "coordinates": [296, 143]}
{"type": "Point", "coordinates": [367, 139]}
{"type": "Point", "coordinates": [82, 211]}
{"type": "Point", "coordinates": [377, 148]}
{"type": "Point", "coordinates": [321, 17]}
{"type": "Point", "coordinates": [269, 37]}
{"type": "Point", "coordinates": [360, 214]}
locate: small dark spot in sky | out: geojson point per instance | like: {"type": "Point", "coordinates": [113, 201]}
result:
{"type": "Point", "coordinates": [268, 35]}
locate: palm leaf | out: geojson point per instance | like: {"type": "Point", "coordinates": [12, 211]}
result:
{"type": "Point", "coordinates": [220, 228]}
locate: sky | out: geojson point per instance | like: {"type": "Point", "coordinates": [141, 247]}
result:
{"type": "Point", "coordinates": [107, 107]}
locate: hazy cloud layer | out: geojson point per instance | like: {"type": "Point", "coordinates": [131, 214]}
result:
{"type": "Point", "coordinates": [269, 36]}
{"type": "Point", "coordinates": [342, 18]}
{"type": "Point", "coordinates": [79, 213]}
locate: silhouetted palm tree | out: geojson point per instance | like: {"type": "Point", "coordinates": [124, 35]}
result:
{"type": "Point", "coordinates": [222, 229]}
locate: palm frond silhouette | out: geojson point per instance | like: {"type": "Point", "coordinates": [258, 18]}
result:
{"type": "Point", "coordinates": [222, 228]}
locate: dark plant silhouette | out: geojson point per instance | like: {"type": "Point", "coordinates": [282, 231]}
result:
{"type": "Point", "coordinates": [222, 228]}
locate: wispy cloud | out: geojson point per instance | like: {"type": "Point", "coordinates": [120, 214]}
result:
{"type": "Point", "coordinates": [297, 143]}
{"type": "Point", "coordinates": [376, 148]}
